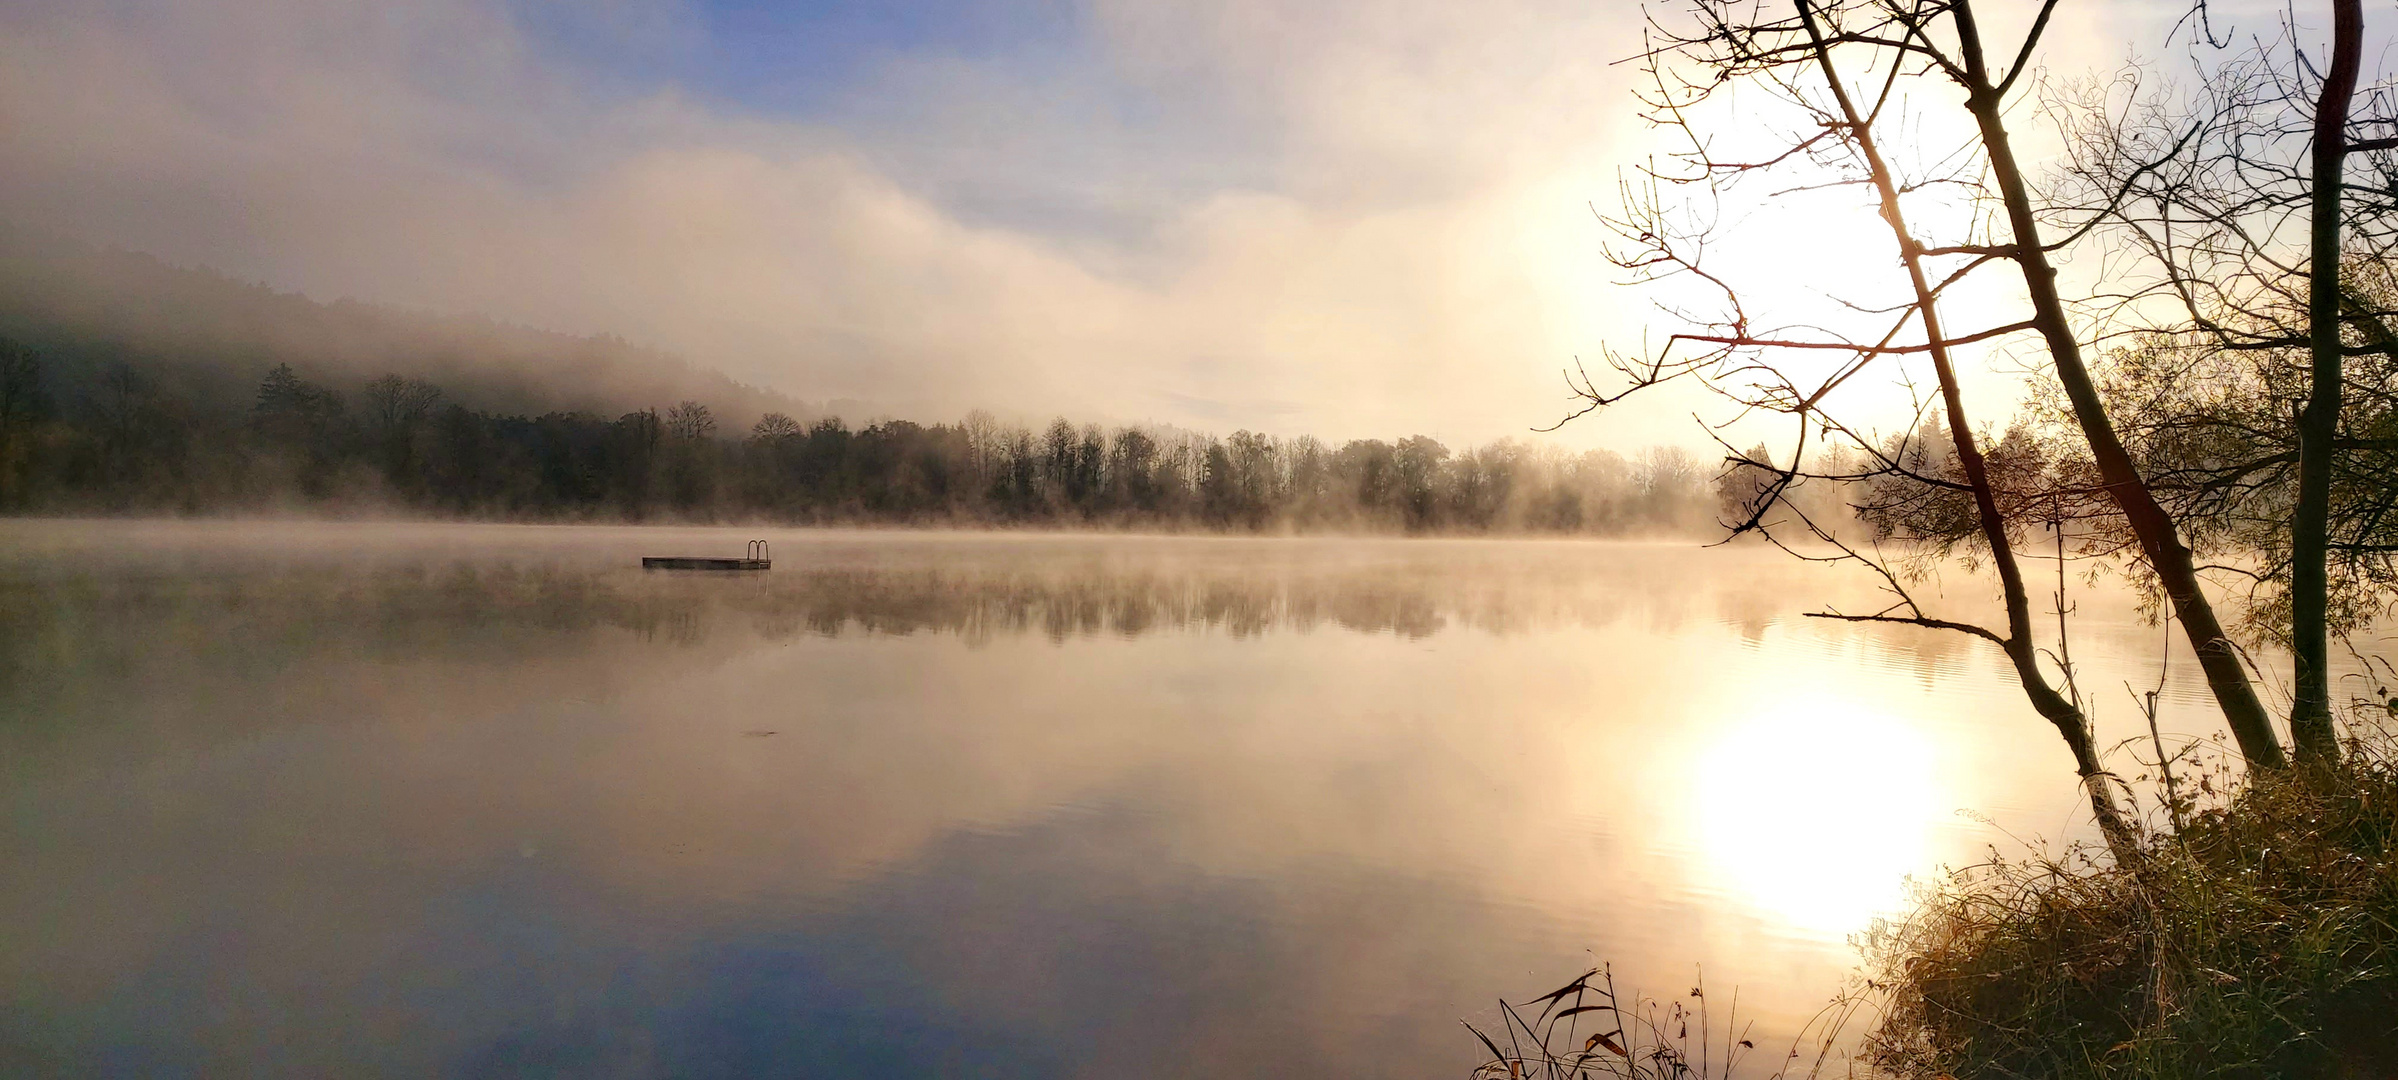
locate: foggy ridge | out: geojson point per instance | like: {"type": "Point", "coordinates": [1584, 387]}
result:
{"type": "Point", "coordinates": [128, 385]}
{"type": "Point", "coordinates": [208, 338]}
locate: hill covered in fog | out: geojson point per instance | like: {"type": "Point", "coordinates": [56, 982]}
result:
{"type": "Point", "coordinates": [131, 386]}
{"type": "Point", "coordinates": [208, 339]}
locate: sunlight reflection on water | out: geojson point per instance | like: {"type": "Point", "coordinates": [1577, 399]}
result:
{"type": "Point", "coordinates": [1816, 808]}
{"type": "Point", "coordinates": [378, 799]}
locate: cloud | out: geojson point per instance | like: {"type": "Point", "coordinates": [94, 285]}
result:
{"type": "Point", "coordinates": [1346, 219]}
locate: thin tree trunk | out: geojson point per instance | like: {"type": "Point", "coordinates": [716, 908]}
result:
{"type": "Point", "coordinates": [2060, 711]}
{"type": "Point", "coordinates": [2159, 540]}
{"type": "Point", "coordinates": [2318, 425]}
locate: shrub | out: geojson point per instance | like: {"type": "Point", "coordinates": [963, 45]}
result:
{"type": "Point", "coordinates": [2259, 938]}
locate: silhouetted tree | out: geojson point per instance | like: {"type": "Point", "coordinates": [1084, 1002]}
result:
{"type": "Point", "coordinates": [303, 424]}
{"type": "Point", "coordinates": [632, 459]}
{"type": "Point", "coordinates": [773, 426]}
{"type": "Point", "coordinates": [690, 421]}
{"type": "Point", "coordinates": [23, 403]}
{"type": "Point", "coordinates": [1832, 121]}
{"type": "Point", "coordinates": [396, 409]}
{"type": "Point", "coordinates": [1416, 462]}
{"type": "Point", "coordinates": [1131, 471]}
{"type": "Point", "coordinates": [1746, 487]}
{"type": "Point", "coordinates": [2241, 253]}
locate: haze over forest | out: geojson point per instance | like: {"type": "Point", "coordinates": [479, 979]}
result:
{"type": "Point", "coordinates": [127, 385]}
{"type": "Point", "coordinates": [1344, 220]}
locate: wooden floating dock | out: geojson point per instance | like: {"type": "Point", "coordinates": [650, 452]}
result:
{"type": "Point", "coordinates": [756, 559]}
{"type": "Point", "coordinates": [701, 562]}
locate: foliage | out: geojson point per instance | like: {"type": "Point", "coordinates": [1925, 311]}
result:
{"type": "Point", "coordinates": [2260, 939]}
{"type": "Point", "coordinates": [22, 405]}
{"type": "Point", "coordinates": [2210, 427]}
{"type": "Point", "coordinates": [1585, 1031]}
{"type": "Point", "coordinates": [125, 441]}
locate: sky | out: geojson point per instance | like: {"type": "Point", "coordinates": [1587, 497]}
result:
{"type": "Point", "coordinates": [1346, 218]}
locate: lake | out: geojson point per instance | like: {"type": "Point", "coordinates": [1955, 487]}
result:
{"type": "Point", "coordinates": [463, 800]}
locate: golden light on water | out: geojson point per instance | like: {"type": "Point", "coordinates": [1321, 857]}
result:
{"type": "Point", "coordinates": [1816, 809]}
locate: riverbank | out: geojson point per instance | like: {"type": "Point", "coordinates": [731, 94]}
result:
{"type": "Point", "coordinates": [2259, 938]}
{"type": "Point", "coordinates": [2255, 937]}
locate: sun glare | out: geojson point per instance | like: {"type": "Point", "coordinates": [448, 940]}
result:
{"type": "Point", "coordinates": [1817, 809]}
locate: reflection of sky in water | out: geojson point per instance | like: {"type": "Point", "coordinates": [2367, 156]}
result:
{"type": "Point", "coordinates": [482, 801]}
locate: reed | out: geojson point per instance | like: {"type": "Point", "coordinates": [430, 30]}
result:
{"type": "Point", "coordinates": [1585, 1031]}
{"type": "Point", "coordinates": [2255, 937]}
{"type": "Point", "coordinates": [2254, 934]}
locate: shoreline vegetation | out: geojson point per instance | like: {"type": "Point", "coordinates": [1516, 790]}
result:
{"type": "Point", "coordinates": [2215, 409]}
{"type": "Point", "coordinates": [117, 441]}
{"type": "Point", "coordinates": [2254, 934]}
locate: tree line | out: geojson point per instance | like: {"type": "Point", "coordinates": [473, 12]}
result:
{"type": "Point", "coordinates": [123, 444]}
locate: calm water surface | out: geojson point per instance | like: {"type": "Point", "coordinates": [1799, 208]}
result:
{"type": "Point", "coordinates": [481, 800]}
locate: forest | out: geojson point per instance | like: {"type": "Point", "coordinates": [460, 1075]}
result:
{"type": "Point", "coordinates": [118, 440]}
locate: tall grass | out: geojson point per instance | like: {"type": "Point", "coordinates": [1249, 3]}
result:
{"type": "Point", "coordinates": [2257, 937]}
{"type": "Point", "coordinates": [1585, 1031]}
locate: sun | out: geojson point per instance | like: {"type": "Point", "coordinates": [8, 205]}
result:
{"type": "Point", "coordinates": [1816, 810]}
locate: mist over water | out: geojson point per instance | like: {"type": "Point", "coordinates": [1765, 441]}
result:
{"type": "Point", "coordinates": [466, 800]}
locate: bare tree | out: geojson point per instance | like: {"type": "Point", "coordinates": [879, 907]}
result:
{"type": "Point", "coordinates": [123, 403]}
{"type": "Point", "coordinates": [690, 421]}
{"type": "Point", "coordinates": [774, 426]}
{"type": "Point", "coordinates": [2102, 488]}
{"type": "Point", "coordinates": [395, 408]}
{"type": "Point", "coordinates": [395, 405]}
{"type": "Point", "coordinates": [20, 387]}
{"type": "Point", "coordinates": [21, 404]}
{"type": "Point", "coordinates": [2249, 272]}
{"type": "Point", "coordinates": [1835, 134]}
{"type": "Point", "coordinates": [983, 445]}
{"type": "Point", "coordinates": [2318, 425]}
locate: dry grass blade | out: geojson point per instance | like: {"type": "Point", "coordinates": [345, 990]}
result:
{"type": "Point", "coordinates": [1640, 1039]}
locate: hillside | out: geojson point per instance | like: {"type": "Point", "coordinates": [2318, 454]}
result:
{"type": "Point", "coordinates": [207, 338]}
